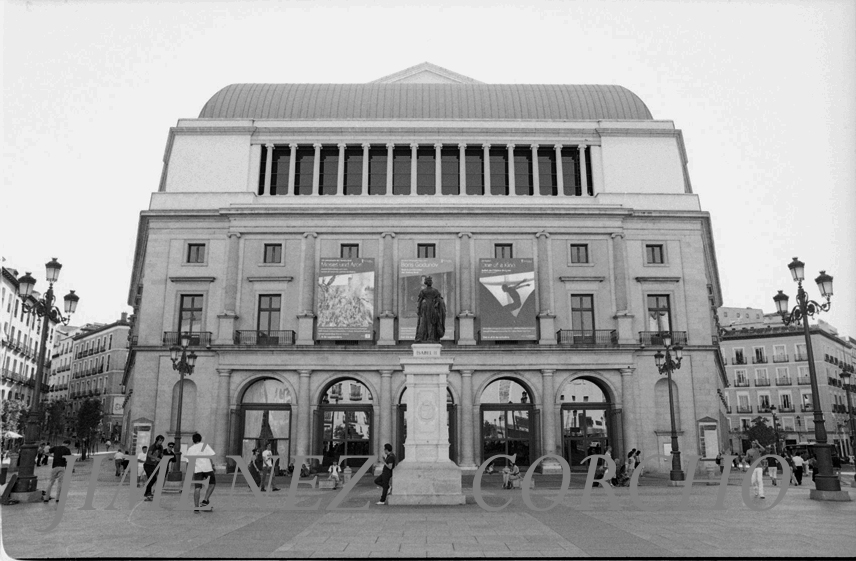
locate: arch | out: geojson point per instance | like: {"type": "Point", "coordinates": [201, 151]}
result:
{"type": "Point", "coordinates": [500, 393]}
{"type": "Point", "coordinates": [661, 405]}
{"type": "Point", "coordinates": [585, 388]}
{"type": "Point", "coordinates": [345, 419]}
{"type": "Point", "coordinates": [613, 394]}
{"type": "Point", "coordinates": [534, 395]}
{"type": "Point", "coordinates": [588, 418]}
{"type": "Point", "coordinates": [320, 391]}
{"type": "Point", "coordinates": [264, 417]}
{"type": "Point", "coordinates": [236, 395]}
{"type": "Point", "coordinates": [188, 407]}
{"type": "Point", "coordinates": [353, 394]}
{"type": "Point", "coordinates": [266, 390]}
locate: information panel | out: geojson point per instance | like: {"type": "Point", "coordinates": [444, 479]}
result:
{"type": "Point", "coordinates": [412, 273]}
{"type": "Point", "coordinates": [507, 299]}
{"type": "Point", "coordinates": [345, 299]}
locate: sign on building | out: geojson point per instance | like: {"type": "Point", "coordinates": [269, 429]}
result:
{"type": "Point", "coordinates": [412, 273]}
{"type": "Point", "coordinates": [507, 299]}
{"type": "Point", "coordinates": [345, 299]}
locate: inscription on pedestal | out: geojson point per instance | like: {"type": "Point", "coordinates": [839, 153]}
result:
{"type": "Point", "coordinates": [426, 350]}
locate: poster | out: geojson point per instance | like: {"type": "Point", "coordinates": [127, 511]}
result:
{"type": "Point", "coordinates": [412, 273]}
{"type": "Point", "coordinates": [507, 299]}
{"type": "Point", "coordinates": [118, 406]}
{"type": "Point", "coordinates": [345, 299]}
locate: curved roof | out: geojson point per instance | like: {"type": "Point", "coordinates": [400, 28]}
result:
{"type": "Point", "coordinates": [425, 101]}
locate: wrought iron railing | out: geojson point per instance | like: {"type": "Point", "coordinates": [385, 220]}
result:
{"type": "Point", "coordinates": [762, 382]}
{"type": "Point", "coordinates": [738, 360]}
{"type": "Point", "coordinates": [780, 358]}
{"type": "Point", "coordinates": [744, 408]}
{"type": "Point", "coordinates": [199, 338]}
{"type": "Point", "coordinates": [264, 338]}
{"type": "Point", "coordinates": [759, 360]}
{"type": "Point", "coordinates": [656, 337]}
{"type": "Point", "coordinates": [783, 381]}
{"type": "Point", "coordinates": [588, 338]}
{"type": "Point", "coordinates": [804, 380]}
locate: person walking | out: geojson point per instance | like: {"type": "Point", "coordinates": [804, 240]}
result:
{"type": "Point", "coordinates": [109, 444]}
{"type": "Point", "coordinates": [153, 456]}
{"type": "Point", "coordinates": [773, 470]}
{"type": "Point", "coordinates": [799, 466]}
{"type": "Point", "coordinates": [385, 477]}
{"type": "Point", "coordinates": [58, 469]}
{"type": "Point", "coordinates": [755, 452]}
{"type": "Point", "coordinates": [334, 474]}
{"type": "Point", "coordinates": [119, 459]}
{"type": "Point", "coordinates": [203, 469]}
{"type": "Point", "coordinates": [267, 469]}
{"type": "Point", "coordinates": [719, 463]}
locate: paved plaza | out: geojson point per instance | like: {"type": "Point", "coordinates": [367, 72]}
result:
{"type": "Point", "coordinates": [797, 527]}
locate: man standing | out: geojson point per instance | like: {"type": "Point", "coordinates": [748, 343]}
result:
{"type": "Point", "coordinates": [758, 471]}
{"type": "Point", "coordinates": [203, 469]}
{"type": "Point", "coordinates": [799, 462]}
{"type": "Point", "coordinates": [170, 451]}
{"type": "Point", "coordinates": [267, 469]}
{"type": "Point", "coordinates": [119, 458]}
{"type": "Point", "coordinates": [59, 453]}
{"type": "Point", "coordinates": [386, 476]}
{"type": "Point", "coordinates": [141, 460]}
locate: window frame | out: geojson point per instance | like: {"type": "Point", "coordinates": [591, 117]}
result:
{"type": "Point", "coordinates": [575, 245]}
{"type": "Point", "coordinates": [509, 246]}
{"type": "Point", "coordinates": [663, 254]}
{"type": "Point", "coordinates": [179, 319]}
{"type": "Point", "coordinates": [265, 262]}
{"type": "Point", "coordinates": [349, 246]}
{"type": "Point", "coordinates": [260, 310]}
{"type": "Point", "coordinates": [188, 245]}
{"type": "Point", "coordinates": [427, 246]}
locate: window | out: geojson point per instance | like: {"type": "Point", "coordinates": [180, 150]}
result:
{"type": "Point", "coordinates": [349, 251]}
{"type": "Point", "coordinates": [571, 171]}
{"type": "Point", "coordinates": [582, 312]}
{"type": "Point", "coordinates": [763, 402]}
{"type": "Point", "coordinates": [503, 251]}
{"type": "Point", "coordinates": [761, 377]}
{"type": "Point", "coordinates": [303, 170]}
{"type": "Point", "coordinates": [759, 355]}
{"type": "Point", "coordinates": [426, 171]}
{"type": "Point", "coordinates": [547, 171]}
{"type": "Point", "coordinates": [401, 171]}
{"type": "Point", "coordinates": [328, 171]}
{"type": "Point", "coordinates": [450, 168]}
{"type": "Point", "coordinates": [801, 353]}
{"type": "Point", "coordinates": [739, 357]}
{"type": "Point", "coordinates": [426, 251]}
{"type": "Point", "coordinates": [498, 171]}
{"type": "Point", "coordinates": [196, 253]}
{"type": "Point", "coordinates": [579, 253]}
{"type": "Point", "coordinates": [785, 401]}
{"type": "Point", "coordinates": [354, 170]}
{"type": "Point", "coordinates": [659, 314]}
{"type": "Point", "coordinates": [269, 313]}
{"type": "Point", "coordinates": [377, 171]}
{"type": "Point", "coordinates": [523, 170]}
{"type": "Point", "coordinates": [190, 313]}
{"type": "Point", "coordinates": [474, 161]}
{"type": "Point", "coordinates": [654, 254]}
{"type": "Point", "coordinates": [278, 171]}
{"type": "Point", "coordinates": [273, 253]}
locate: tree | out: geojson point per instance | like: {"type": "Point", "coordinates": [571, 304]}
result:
{"type": "Point", "coordinates": [13, 417]}
{"type": "Point", "coordinates": [56, 417]}
{"type": "Point", "coordinates": [88, 418]}
{"type": "Point", "coordinates": [759, 431]}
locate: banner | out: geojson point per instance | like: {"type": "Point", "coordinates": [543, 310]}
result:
{"type": "Point", "coordinates": [412, 273]}
{"type": "Point", "coordinates": [345, 299]}
{"type": "Point", "coordinates": [507, 299]}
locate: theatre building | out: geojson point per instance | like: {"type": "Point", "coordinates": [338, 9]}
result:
{"type": "Point", "coordinates": [294, 225]}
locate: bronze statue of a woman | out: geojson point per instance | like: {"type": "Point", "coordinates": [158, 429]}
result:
{"type": "Point", "coordinates": [431, 310]}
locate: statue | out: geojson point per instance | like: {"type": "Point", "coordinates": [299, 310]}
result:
{"type": "Point", "coordinates": [431, 311]}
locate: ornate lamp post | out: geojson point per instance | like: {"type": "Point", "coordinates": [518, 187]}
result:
{"type": "Point", "coordinates": [827, 485]}
{"type": "Point", "coordinates": [184, 362]}
{"type": "Point", "coordinates": [43, 308]}
{"type": "Point", "coordinates": [666, 364]}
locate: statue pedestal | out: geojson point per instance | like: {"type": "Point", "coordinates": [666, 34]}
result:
{"type": "Point", "coordinates": [426, 476]}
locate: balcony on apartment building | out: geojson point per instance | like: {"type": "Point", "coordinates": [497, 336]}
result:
{"type": "Point", "coordinates": [590, 338]}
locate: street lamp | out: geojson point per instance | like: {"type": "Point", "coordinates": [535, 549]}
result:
{"type": "Point", "coordinates": [827, 485]}
{"type": "Point", "coordinates": [666, 364]}
{"type": "Point", "coordinates": [184, 362]}
{"type": "Point", "coordinates": [43, 308]}
{"type": "Point", "coordinates": [845, 377]}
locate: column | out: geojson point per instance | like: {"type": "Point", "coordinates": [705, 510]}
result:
{"type": "Point", "coordinates": [583, 172]}
{"type": "Point", "coordinates": [413, 148]}
{"type": "Point", "coordinates": [548, 415]}
{"type": "Point", "coordinates": [596, 170]}
{"type": "Point", "coordinates": [486, 148]}
{"type": "Point", "coordinates": [560, 179]}
{"type": "Point", "coordinates": [226, 319]}
{"type": "Point", "coordinates": [303, 413]}
{"type": "Point", "coordinates": [546, 318]}
{"type": "Point", "coordinates": [438, 170]}
{"type": "Point", "coordinates": [462, 168]}
{"type": "Point", "coordinates": [628, 406]}
{"type": "Point", "coordinates": [221, 420]}
{"type": "Point", "coordinates": [365, 190]}
{"type": "Point", "coordinates": [619, 287]}
{"type": "Point", "coordinates": [511, 183]}
{"type": "Point", "coordinates": [316, 168]}
{"type": "Point", "coordinates": [386, 408]}
{"type": "Point", "coordinates": [536, 173]}
{"type": "Point", "coordinates": [305, 319]}
{"type": "Point", "coordinates": [467, 459]}
{"type": "Point", "coordinates": [389, 148]}
{"type": "Point", "coordinates": [340, 175]}
{"type": "Point", "coordinates": [268, 168]}
{"type": "Point", "coordinates": [387, 316]}
{"type": "Point", "coordinates": [466, 318]}
{"type": "Point", "coordinates": [292, 166]}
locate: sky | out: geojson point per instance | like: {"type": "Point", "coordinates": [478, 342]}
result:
{"type": "Point", "coordinates": [764, 93]}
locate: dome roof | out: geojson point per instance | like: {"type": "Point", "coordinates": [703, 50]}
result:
{"type": "Point", "coordinates": [425, 101]}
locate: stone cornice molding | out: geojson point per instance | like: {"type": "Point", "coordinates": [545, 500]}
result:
{"type": "Point", "coordinates": [467, 234]}
{"type": "Point", "coordinates": [312, 234]}
{"type": "Point", "coordinates": [543, 233]}
{"type": "Point", "coordinates": [582, 279]}
{"type": "Point", "coordinates": [658, 279]}
{"type": "Point", "coordinates": [385, 234]}
{"type": "Point", "coordinates": [615, 235]}
{"type": "Point", "coordinates": [224, 371]}
{"type": "Point", "coordinates": [192, 279]}
{"type": "Point", "coordinates": [270, 279]}
{"type": "Point", "coordinates": [234, 234]}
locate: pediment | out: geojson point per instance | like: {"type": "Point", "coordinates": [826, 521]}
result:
{"type": "Point", "coordinates": [426, 73]}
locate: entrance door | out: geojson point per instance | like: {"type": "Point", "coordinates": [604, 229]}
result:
{"type": "Point", "coordinates": [344, 423]}
{"type": "Point", "coordinates": [586, 422]}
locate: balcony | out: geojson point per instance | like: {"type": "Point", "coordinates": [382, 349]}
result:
{"type": "Point", "coordinates": [738, 360]}
{"type": "Point", "coordinates": [265, 338]}
{"type": "Point", "coordinates": [744, 408]}
{"type": "Point", "coordinates": [780, 358]}
{"type": "Point", "coordinates": [741, 383]}
{"type": "Point", "coordinates": [799, 357]}
{"type": "Point", "coordinates": [786, 409]}
{"type": "Point", "coordinates": [805, 408]}
{"type": "Point", "coordinates": [588, 338]}
{"type": "Point", "coordinates": [173, 338]}
{"type": "Point", "coordinates": [783, 381]}
{"type": "Point", "coordinates": [761, 382]}
{"type": "Point", "coordinates": [804, 381]}
{"type": "Point", "coordinates": [764, 409]}
{"type": "Point", "coordinates": [759, 360]}
{"type": "Point", "coordinates": [655, 338]}
{"type": "Point", "coordinates": [728, 409]}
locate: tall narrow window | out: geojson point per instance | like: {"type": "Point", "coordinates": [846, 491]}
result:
{"type": "Point", "coordinates": [582, 313]}
{"type": "Point", "coordinates": [329, 170]}
{"type": "Point", "coordinates": [196, 253]}
{"type": "Point", "coordinates": [349, 251]}
{"type": "Point", "coordinates": [523, 170]}
{"type": "Point", "coordinates": [279, 170]}
{"type": "Point", "coordinates": [304, 162]}
{"type": "Point", "coordinates": [269, 313]}
{"type": "Point", "coordinates": [659, 313]}
{"type": "Point", "coordinates": [503, 251]}
{"type": "Point", "coordinates": [474, 162]}
{"type": "Point", "coordinates": [426, 251]}
{"type": "Point", "coordinates": [426, 171]}
{"type": "Point", "coordinates": [273, 253]}
{"type": "Point", "coordinates": [498, 171]}
{"type": "Point", "coordinates": [401, 171]}
{"type": "Point", "coordinates": [354, 170]}
{"type": "Point", "coordinates": [654, 254]}
{"type": "Point", "coordinates": [450, 167]}
{"type": "Point", "coordinates": [571, 171]}
{"type": "Point", "coordinates": [547, 176]}
{"type": "Point", "coordinates": [377, 171]}
{"type": "Point", "coordinates": [579, 253]}
{"type": "Point", "coordinates": [262, 170]}
{"type": "Point", "coordinates": [190, 313]}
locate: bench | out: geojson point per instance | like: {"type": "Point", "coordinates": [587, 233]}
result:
{"type": "Point", "coordinates": [326, 484]}
{"type": "Point", "coordinates": [516, 483]}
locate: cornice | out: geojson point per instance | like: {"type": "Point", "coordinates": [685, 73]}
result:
{"type": "Point", "coordinates": [658, 279]}
{"type": "Point", "coordinates": [192, 279]}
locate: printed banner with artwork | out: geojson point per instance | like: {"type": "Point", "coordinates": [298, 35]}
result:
{"type": "Point", "coordinates": [507, 299]}
{"type": "Point", "coordinates": [345, 299]}
{"type": "Point", "coordinates": [412, 273]}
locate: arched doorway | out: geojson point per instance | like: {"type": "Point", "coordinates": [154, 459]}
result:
{"type": "Point", "coordinates": [509, 422]}
{"type": "Point", "coordinates": [344, 422]}
{"type": "Point", "coordinates": [451, 423]}
{"type": "Point", "coordinates": [586, 421]}
{"type": "Point", "coordinates": [265, 416]}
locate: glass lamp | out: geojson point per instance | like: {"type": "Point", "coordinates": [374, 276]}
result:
{"type": "Point", "coordinates": [52, 268]}
{"type": "Point", "coordinates": [70, 300]}
{"type": "Point", "coordinates": [658, 358]}
{"type": "Point", "coordinates": [185, 339]}
{"type": "Point", "coordinates": [797, 268]}
{"type": "Point", "coordinates": [824, 284]}
{"type": "Point", "coordinates": [25, 286]}
{"type": "Point", "coordinates": [781, 300]}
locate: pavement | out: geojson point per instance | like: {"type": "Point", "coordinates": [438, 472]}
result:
{"type": "Point", "coordinates": [240, 528]}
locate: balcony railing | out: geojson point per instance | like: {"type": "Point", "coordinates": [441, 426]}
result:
{"type": "Point", "coordinates": [805, 408]}
{"type": "Point", "coordinates": [200, 338]}
{"type": "Point", "coordinates": [762, 382]}
{"type": "Point", "coordinates": [780, 358]}
{"type": "Point", "coordinates": [786, 409]}
{"type": "Point", "coordinates": [800, 357]}
{"type": "Point", "coordinates": [264, 338]}
{"type": "Point", "coordinates": [741, 383]}
{"type": "Point", "coordinates": [804, 380]}
{"type": "Point", "coordinates": [744, 408]}
{"type": "Point", "coordinates": [783, 381]}
{"type": "Point", "coordinates": [759, 360]}
{"type": "Point", "coordinates": [656, 338]}
{"type": "Point", "coordinates": [738, 360]}
{"type": "Point", "coordinates": [588, 338]}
